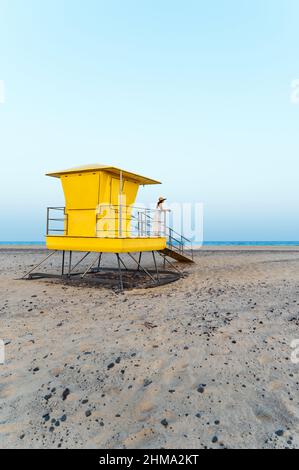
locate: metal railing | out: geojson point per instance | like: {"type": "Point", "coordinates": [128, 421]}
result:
{"type": "Point", "coordinates": [117, 221]}
{"type": "Point", "coordinates": [178, 242]}
{"type": "Point", "coordinates": [129, 222]}
{"type": "Point", "coordinates": [60, 221]}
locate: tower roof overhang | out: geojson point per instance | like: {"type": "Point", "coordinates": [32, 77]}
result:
{"type": "Point", "coordinates": [143, 180]}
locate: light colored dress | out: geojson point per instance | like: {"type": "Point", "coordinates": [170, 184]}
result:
{"type": "Point", "coordinates": [159, 225]}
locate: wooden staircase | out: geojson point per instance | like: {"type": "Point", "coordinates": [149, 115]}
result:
{"type": "Point", "coordinates": [182, 258]}
{"type": "Point", "coordinates": [178, 247]}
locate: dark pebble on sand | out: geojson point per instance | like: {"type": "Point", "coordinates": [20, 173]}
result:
{"type": "Point", "coordinates": [215, 439]}
{"type": "Point", "coordinates": [110, 365]}
{"type": "Point", "coordinates": [87, 413]}
{"type": "Point", "coordinates": [65, 393]}
{"type": "Point", "coordinates": [279, 433]}
{"type": "Point", "coordinates": [164, 423]}
{"type": "Point", "coordinates": [200, 389]}
{"type": "Point", "coordinates": [63, 418]}
{"type": "Point", "coordinates": [46, 417]}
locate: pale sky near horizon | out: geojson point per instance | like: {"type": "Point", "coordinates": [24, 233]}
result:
{"type": "Point", "coordinates": [196, 94]}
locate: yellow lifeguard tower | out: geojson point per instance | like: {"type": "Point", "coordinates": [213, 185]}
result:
{"type": "Point", "coordinates": [99, 213]}
{"type": "Point", "coordinates": [100, 216]}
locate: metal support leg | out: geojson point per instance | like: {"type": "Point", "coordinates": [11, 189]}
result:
{"type": "Point", "coordinates": [77, 264]}
{"type": "Point", "coordinates": [99, 262]}
{"type": "Point", "coordinates": [139, 262]}
{"type": "Point", "coordinates": [62, 267]}
{"type": "Point", "coordinates": [37, 266]}
{"type": "Point", "coordinates": [141, 267]}
{"type": "Point", "coordinates": [171, 264]}
{"type": "Point", "coordinates": [121, 286]}
{"type": "Point", "coordinates": [123, 263]}
{"type": "Point", "coordinates": [89, 267]}
{"type": "Point", "coordinates": [70, 263]}
{"type": "Point", "coordinates": [156, 266]}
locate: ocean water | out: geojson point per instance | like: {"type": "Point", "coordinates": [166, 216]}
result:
{"type": "Point", "coordinates": [206, 243]}
{"type": "Point", "coordinates": [23, 243]}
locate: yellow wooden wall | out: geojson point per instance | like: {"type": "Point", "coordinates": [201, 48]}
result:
{"type": "Point", "coordinates": [86, 192]}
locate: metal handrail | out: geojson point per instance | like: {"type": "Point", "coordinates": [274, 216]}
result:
{"type": "Point", "coordinates": [144, 220]}
{"type": "Point", "coordinates": [179, 234]}
{"type": "Point", "coordinates": [181, 246]}
{"type": "Point", "coordinates": [63, 219]}
{"type": "Point", "coordinates": [139, 223]}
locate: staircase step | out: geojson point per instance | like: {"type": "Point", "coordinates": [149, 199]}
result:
{"type": "Point", "coordinates": [183, 258]}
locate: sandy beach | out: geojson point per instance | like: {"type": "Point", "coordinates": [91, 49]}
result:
{"type": "Point", "coordinates": [204, 362]}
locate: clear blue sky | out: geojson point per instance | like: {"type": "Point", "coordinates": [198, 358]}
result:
{"type": "Point", "coordinates": [194, 93]}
